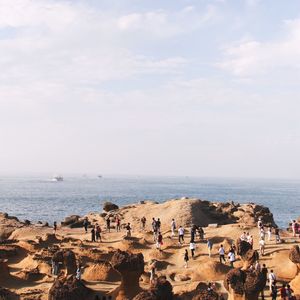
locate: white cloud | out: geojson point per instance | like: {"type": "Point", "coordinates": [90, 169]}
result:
{"type": "Point", "coordinates": [251, 57]}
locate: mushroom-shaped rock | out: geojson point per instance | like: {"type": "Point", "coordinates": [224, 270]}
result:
{"type": "Point", "coordinates": [244, 285]}
{"type": "Point", "coordinates": [248, 255]}
{"type": "Point", "coordinates": [68, 288]}
{"type": "Point", "coordinates": [101, 271]}
{"type": "Point", "coordinates": [131, 267]}
{"type": "Point", "coordinates": [108, 206]}
{"type": "Point", "coordinates": [163, 289]}
{"type": "Point", "coordinates": [145, 295]}
{"type": "Point", "coordinates": [68, 259]}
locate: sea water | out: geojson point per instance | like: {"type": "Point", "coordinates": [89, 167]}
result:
{"type": "Point", "coordinates": [38, 198]}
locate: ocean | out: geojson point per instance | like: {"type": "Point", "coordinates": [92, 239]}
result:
{"type": "Point", "coordinates": [37, 198]}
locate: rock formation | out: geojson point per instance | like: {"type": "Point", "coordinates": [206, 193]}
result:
{"type": "Point", "coordinates": [68, 259]}
{"type": "Point", "coordinates": [206, 295]}
{"type": "Point", "coordinates": [6, 294]}
{"type": "Point", "coordinates": [68, 288]}
{"type": "Point", "coordinates": [131, 267]}
{"type": "Point", "coordinates": [248, 255]}
{"type": "Point", "coordinates": [108, 206]}
{"type": "Point", "coordinates": [101, 271]}
{"type": "Point", "coordinates": [294, 256]}
{"type": "Point", "coordinates": [244, 285]}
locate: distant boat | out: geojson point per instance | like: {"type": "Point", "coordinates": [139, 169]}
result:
{"type": "Point", "coordinates": [99, 176]}
{"type": "Point", "coordinates": [57, 178]}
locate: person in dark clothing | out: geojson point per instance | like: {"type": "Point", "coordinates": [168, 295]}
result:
{"type": "Point", "coordinates": [158, 224]}
{"type": "Point", "coordinates": [85, 224]}
{"type": "Point", "coordinates": [54, 226]}
{"type": "Point", "coordinates": [108, 224]}
{"type": "Point", "coordinates": [118, 224]}
{"type": "Point", "coordinates": [264, 272]}
{"type": "Point", "coordinates": [193, 233]}
{"type": "Point", "coordinates": [98, 233]}
{"type": "Point", "coordinates": [93, 235]}
{"type": "Point", "coordinates": [274, 291]}
{"type": "Point", "coordinates": [186, 258]}
{"type": "Point", "coordinates": [201, 233]}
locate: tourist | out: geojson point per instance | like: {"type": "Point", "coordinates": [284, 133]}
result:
{"type": "Point", "coordinates": [259, 223]}
{"type": "Point", "coordinates": [262, 247]}
{"type": "Point", "coordinates": [231, 257]}
{"type": "Point", "coordinates": [93, 234]}
{"type": "Point", "coordinates": [78, 273]}
{"type": "Point", "coordinates": [158, 224]}
{"type": "Point", "coordinates": [250, 240]}
{"type": "Point", "coordinates": [232, 249]}
{"type": "Point", "coordinates": [269, 233]}
{"type": "Point", "coordinates": [173, 227]}
{"type": "Point", "coordinates": [222, 254]}
{"type": "Point", "coordinates": [180, 235]}
{"type": "Point", "coordinates": [128, 230]}
{"type": "Point", "coordinates": [186, 258]}
{"type": "Point", "coordinates": [201, 233]}
{"type": "Point", "coordinates": [54, 226]}
{"type": "Point", "coordinates": [289, 292]}
{"type": "Point", "coordinates": [98, 233]}
{"type": "Point", "coordinates": [257, 267]}
{"type": "Point", "coordinates": [294, 228]}
{"type": "Point", "coordinates": [193, 233]}
{"type": "Point", "coordinates": [85, 224]}
{"type": "Point", "coordinates": [159, 241]}
{"type": "Point", "coordinates": [154, 228]}
{"type": "Point", "coordinates": [118, 223]}
{"type": "Point", "coordinates": [264, 272]}
{"type": "Point", "coordinates": [192, 248]}
{"type": "Point", "coordinates": [243, 237]}
{"type": "Point", "coordinates": [283, 292]}
{"type": "Point", "coordinates": [108, 224]}
{"type": "Point", "coordinates": [277, 236]}
{"type": "Point", "coordinates": [54, 267]}
{"type": "Point", "coordinates": [272, 279]}
{"type": "Point", "coordinates": [143, 221]}
{"type": "Point", "coordinates": [262, 233]}
{"type": "Point", "coordinates": [152, 272]}
{"type": "Point", "coordinates": [274, 291]}
{"type": "Point", "coordinates": [209, 247]}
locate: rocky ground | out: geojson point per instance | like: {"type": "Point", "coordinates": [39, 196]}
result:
{"type": "Point", "coordinates": [119, 266]}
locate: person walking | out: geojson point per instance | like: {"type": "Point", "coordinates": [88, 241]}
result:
{"type": "Point", "coordinates": [262, 247]}
{"type": "Point", "coordinates": [209, 247]}
{"type": "Point", "coordinates": [186, 258]}
{"type": "Point", "coordinates": [152, 272]}
{"type": "Point", "coordinates": [108, 224]}
{"type": "Point", "coordinates": [193, 233]}
{"type": "Point", "coordinates": [192, 248]}
{"type": "Point", "coordinates": [264, 272]}
{"type": "Point", "coordinates": [201, 233]}
{"type": "Point", "coordinates": [98, 233]}
{"type": "Point", "coordinates": [180, 235]}
{"type": "Point", "coordinates": [270, 234]}
{"type": "Point", "coordinates": [154, 228]}
{"type": "Point", "coordinates": [274, 291]}
{"type": "Point", "coordinates": [118, 223]}
{"type": "Point", "coordinates": [231, 257]}
{"type": "Point", "coordinates": [289, 292]}
{"type": "Point", "coordinates": [283, 292]}
{"type": "Point", "coordinates": [85, 224]}
{"type": "Point", "coordinates": [222, 254]}
{"type": "Point", "coordinates": [93, 233]}
{"type": "Point", "coordinates": [272, 279]}
{"type": "Point", "coordinates": [173, 227]}
{"type": "Point", "coordinates": [159, 241]}
{"type": "Point", "coordinates": [158, 224]}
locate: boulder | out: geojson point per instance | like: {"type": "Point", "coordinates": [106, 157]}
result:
{"type": "Point", "coordinates": [101, 271]}
{"type": "Point", "coordinates": [108, 206]}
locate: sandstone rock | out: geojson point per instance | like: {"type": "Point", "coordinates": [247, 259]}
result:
{"type": "Point", "coordinates": [108, 206]}
{"type": "Point", "coordinates": [6, 294]}
{"type": "Point", "coordinates": [68, 289]}
{"type": "Point", "coordinates": [101, 271]}
{"type": "Point", "coordinates": [131, 267]}
{"type": "Point", "coordinates": [68, 259]}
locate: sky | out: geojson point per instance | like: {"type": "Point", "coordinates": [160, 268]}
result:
{"type": "Point", "coordinates": [148, 87]}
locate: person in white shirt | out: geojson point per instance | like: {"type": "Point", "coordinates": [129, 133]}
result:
{"type": "Point", "coordinates": [262, 247]}
{"type": "Point", "coordinates": [231, 257]}
{"type": "Point", "coordinates": [173, 227]}
{"type": "Point", "coordinates": [192, 248]}
{"type": "Point", "coordinates": [222, 254]}
{"type": "Point", "coordinates": [272, 279]}
{"type": "Point", "coordinates": [262, 234]}
{"type": "Point", "coordinates": [269, 233]}
{"type": "Point", "coordinates": [180, 235]}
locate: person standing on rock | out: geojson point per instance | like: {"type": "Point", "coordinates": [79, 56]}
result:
{"type": "Point", "coordinates": [93, 234]}
{"type": "Point", "coordinates": [128, 230]}
{"type": "Point", "coordinates": [277, 237]}
{"type": "Point", "coordinates": [143, 221]}
{"type": "Point", "coordinates": [222, 254]}
{"type": "Point", "coordinates": [180, 235]}
{"type": "Point", "coordinates": [192, 248]}
{"type": "Point", "coordinates": [108, 224]}
{"type": "Point", "coordinates": [173, 227]}
{"type": "Point", "coordinates": [54, 226]}
{"type": "Point", "coordinates": [186, 258]}
{"type": "Point", "coordinates": [98, 233]}
{"type": "Point", "coordinates": [118, 223]}
{"type": "Point", "coordinates": [209, 247]}
{"type": "Point", "coordinates": [85, 224]}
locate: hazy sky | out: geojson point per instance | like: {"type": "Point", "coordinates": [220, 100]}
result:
{"type": "Point", "coordinates": [170, 87]}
